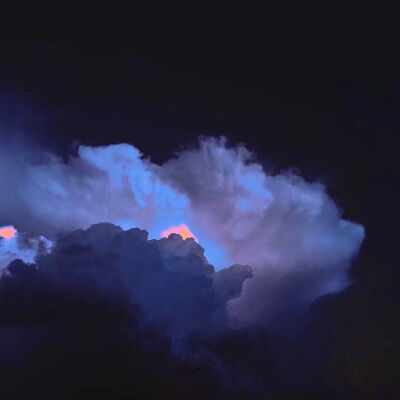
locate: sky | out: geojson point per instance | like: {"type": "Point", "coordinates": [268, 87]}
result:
{"type": "Point", "coordinates": [233, 214]}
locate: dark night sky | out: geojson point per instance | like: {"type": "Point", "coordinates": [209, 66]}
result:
{"type": "Point", "coordinates": [328, 111]}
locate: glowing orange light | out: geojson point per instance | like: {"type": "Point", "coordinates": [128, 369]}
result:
{"type": "Point", "coordinates": [8, 232]}
{"type": "Point", "coordinates": [182, 230]}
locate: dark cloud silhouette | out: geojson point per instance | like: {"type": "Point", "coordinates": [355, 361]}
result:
{"type": "Point", "coordinates": [169, 279]}
{"type": "Point", "coordinates": [82, 321]}
{"type": "Point", "coordinates": [60, 339]}
{"type": "Point", "coordinates": [107, 303]}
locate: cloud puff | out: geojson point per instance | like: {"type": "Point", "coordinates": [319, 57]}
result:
{"type": "Point", "coordinates": [110, 184]}
{"type": "Point", "coordinates": [287, 229]}
{"type": "Point", "coordinates": [15, 245]}
{"type": "Point", "coordinates": [75, 333]}
{"type": "Point", "coordinates": [169, 279]}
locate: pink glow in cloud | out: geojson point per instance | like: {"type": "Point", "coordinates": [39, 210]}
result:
{"type": "Point", "coordinates": [7, 232]}
{"type": "Point", "coordinates": [181, 229]}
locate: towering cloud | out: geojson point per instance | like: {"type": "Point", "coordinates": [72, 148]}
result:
{"type": "Point", "coordinates": [181, 305]}
{"type": "Point", "coordinates": [288, 230]}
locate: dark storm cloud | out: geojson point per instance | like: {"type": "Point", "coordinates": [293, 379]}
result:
{"type": "Point", "coordinates": [112, 285]}
{"type": "Point", "coordinates": [111, 311]}
{"type": "Point", "coordinates": [169, 279]}
{"type": "Point", "coordinates": [60, 339]}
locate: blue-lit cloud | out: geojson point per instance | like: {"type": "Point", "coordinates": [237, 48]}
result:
{"type": "Point", "coordinates": [14, 245]}
{"type": "Point", "coordinates": [287, 229]}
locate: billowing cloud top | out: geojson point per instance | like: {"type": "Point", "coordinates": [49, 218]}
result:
{"type": "Point", "coordinates": [288, 230]}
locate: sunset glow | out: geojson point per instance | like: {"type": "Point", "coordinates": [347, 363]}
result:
{"type": "Point", "coordinates": [7, 232]}
{"type": "Point", "coordinates": [182, 230]}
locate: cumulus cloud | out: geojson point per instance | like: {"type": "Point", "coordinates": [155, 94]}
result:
{"type": "Point", "coordinates": [119, 308]}
{"type": "Point", "coordinates": [287, 229]}
{"type": "Point", "coordinates": [169, 279]}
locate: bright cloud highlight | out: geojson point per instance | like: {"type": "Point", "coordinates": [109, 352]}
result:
{"type": "Point", "coordinates": [7, 232]}
{"type": "Point", "coordinates": [181, 230]}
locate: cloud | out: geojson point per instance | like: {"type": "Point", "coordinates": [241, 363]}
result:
{"type": "Point", "coordinates": [117, 304]}
{"type": "Point", "coordinates": [60, 338]}
{"type": "Point", "coordinates": [14, 245]}
{"type": "Point", "coordinates": [123, 311]}
{"type": "Point", "coordinates": [110, 184]}
{"type": "Point", "coordinates": [288, 230]}
{"type": "Point", "coordinates": [169, 279]}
